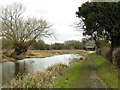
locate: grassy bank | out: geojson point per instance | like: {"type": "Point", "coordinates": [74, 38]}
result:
{"type": "Point", "coordinates": [39, 54]}
{"type": "Point", "coordinates": [106, 71]}
{"type": "Point", "coordinates": [77, 76]}
{"type": "Point", "coordinates": [44, 79]}
{"type": "Point", "coordinates": [39, 79]}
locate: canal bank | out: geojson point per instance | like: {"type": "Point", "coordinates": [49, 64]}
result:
{"type": "Point", "coordinates": [33, 65]}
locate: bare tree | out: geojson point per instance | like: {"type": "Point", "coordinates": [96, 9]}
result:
{"type": "Point", "coordinates": [22, 32]}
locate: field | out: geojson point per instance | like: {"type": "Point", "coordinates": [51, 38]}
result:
{"type": "Point", "coordinates": [39, 54]}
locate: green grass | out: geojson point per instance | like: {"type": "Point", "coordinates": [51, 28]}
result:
{"type": "Point", "coordinates": [106, 71]}
{"type": "Point", "coordinates": [77, 76]}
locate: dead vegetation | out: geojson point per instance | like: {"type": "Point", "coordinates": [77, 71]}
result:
{"type": "Point", "coordinates": [39, 79]}
{"type": "Point", "coordinates": [38, 54]}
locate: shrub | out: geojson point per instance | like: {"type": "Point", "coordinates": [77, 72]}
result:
{"type": "Point", "coordinates": [39, 79]}
{"type": "Point", "coordinates": [98, 51]}
{"type": "Point", "coordinates": [104, 51]}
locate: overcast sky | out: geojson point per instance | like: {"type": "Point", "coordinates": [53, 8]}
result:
{"type": "Point", "coordinates": [59, 13]}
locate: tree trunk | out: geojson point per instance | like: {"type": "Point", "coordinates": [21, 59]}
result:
{"type": "Point", "coordinates": [110, 54]}
{"type": "Point", "coordinates": [114, 44]}
{"type": "Point", "coordinates": [18, 51]}
{"type": "Point", "coordinates": [20, 48]}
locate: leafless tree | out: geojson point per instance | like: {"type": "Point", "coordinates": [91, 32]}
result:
{"type": "Point", "coordinates": [22, 31]}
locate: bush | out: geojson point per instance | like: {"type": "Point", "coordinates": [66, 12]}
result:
{"type": "Point", "coordinates": [104, 51]}
{"type": "Point", "coordinates": [116, 57]}
{"type": "Point", "coordinates": [39, 79]}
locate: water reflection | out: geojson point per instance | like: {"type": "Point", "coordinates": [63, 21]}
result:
{"type": "Point", "coordinates": [32, 65]}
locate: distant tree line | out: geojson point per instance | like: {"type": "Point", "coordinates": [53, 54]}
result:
{"type": "Point", "coordinates": [41, 45]}
{"type": "Point", "coordinates": [70, 44]}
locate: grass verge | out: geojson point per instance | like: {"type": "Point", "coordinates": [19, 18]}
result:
{"type": "Point", "coordinates": [106, 71]}
{"type": "Point", "coordinates": [77, 76]}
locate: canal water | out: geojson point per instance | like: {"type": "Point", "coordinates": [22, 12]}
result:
{"type": "Point", "coordinates": [31, 65]}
